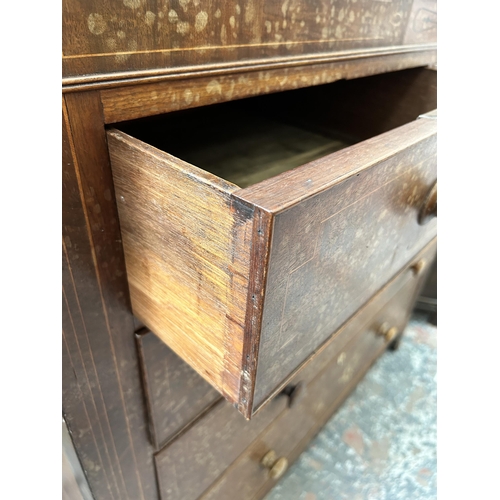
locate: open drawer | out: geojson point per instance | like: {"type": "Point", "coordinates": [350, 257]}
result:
{"type": "Point", "coordinates": [254, 229]}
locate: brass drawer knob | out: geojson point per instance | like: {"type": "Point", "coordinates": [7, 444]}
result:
{"type": "Point", "coordinates": [388, 332]}
{"type": "Point", "coordinates": [419, 266]}
{"type": "Point", "coordinates": [277, 466]}
{"type": "Point", "coordinates": [429, 209]}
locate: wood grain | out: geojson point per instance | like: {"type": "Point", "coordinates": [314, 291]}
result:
{"type": "Point", "coordinates": [119, 104]}
{"type": "Point", "coordinates": [337, 370]}
{"type": "Point", "coordinates": [102, 399]}
{"type": "Point", "coordinates": [191, 463]}
{"type": "Point", "coordinates": [333, 375]}
{"type": "Point", "coordinates": [220, 273]}
{"type": "Point", "coordinates": [320, 358]}
{"type": "Point", "coordinates": [103, 37]}
{"type": "Point", "coordinates": [175, 393]}
{"type": "Point", "coordinates": [186, 281]}
{"type": "Point", "coordinates": [333, 250]}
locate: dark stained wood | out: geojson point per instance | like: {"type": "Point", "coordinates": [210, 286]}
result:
{"type": "Point", "coordinates": [196, 459]}
{"type": "Point", "coordinates": [193, 461]}
{"type": "Point", "coordinates": [341, 369]}
{"type": "Point", "coordinates": [175, 393]}
{"type": "Point", "coordinates": [341, 226]}
{"type": "Point", "coordinates": [119, 104]}
{"type": "Point", "coordinates": [104, 37]}
{"type": "Point", "coordinates": [102, 398]}
{"type": "Point", "coordinates": [334, 249]}
{"type": "Point", "coordinates": [128, 60]}
{"type": "Point", "coordinates": [320, 358]}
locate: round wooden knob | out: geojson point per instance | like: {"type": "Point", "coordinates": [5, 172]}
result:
{"type": "Point", "coordinates": [388, 332]}
{"type": "Point", "coordinates": [277, 466]}
{"type": "Point", "coordinates": [429, 208]}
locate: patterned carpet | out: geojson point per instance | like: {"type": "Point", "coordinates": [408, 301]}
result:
{"type": "Point", "coordinates": [381, 444]}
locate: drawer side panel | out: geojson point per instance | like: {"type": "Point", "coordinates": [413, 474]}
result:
{"type": "Point", "coordinates": [187, 281]}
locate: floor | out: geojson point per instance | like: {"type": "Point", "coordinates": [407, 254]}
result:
{"type": "Point", "coordinates": [381, 444]}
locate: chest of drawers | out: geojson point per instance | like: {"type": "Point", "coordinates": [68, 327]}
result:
{"type": "Point", "coordinates": [246, 227]}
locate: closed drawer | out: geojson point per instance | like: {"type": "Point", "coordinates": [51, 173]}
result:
{"type": "Point", "coordinates": [175, 394]}
{"type": "Point", "coordinates": [220, 453]}
{"type": "Point", "coordinates": [341, 370]}
{"type": "Point", "coordinates": [245, 283]}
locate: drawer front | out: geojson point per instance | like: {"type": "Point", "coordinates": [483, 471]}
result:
{"type": "Point", "coordinates": [245, 284]}
{"type": "Point", "coordinates": [334, 249]}
{"type": "Point", "coordinates": [195, 459]}
{"type": "Point", "coordinates": [198, 459]}
{"type": "Point", "coordinates": [292, 431]}
{"type": "Point", "coordinates": [405, 286]}
{"type": "Point", "coordinates": [175, 393]}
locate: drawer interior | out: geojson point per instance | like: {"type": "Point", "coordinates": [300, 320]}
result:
{"type": "Point", "coordinates": [250, 140]}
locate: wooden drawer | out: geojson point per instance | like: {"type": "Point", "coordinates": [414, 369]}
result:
{"type": "Point", "coordinates": [293, 430]}
{"type": "Point", "coordinates": [245, 283]}
{"type": "Point", "coordinates": [197, 462]}
{"type": "Point", "coordinates": [175, 394]}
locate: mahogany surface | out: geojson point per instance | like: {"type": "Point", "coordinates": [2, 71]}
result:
{"type": "Point", "coordinates": [127, 60]}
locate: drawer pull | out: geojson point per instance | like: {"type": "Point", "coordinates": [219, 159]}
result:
{"type": "Point", "coordinates": [295, 393]}
{"type": "Point", "coordinates": [419, 266]}
{"type": "Point", "coordinates": [388, 332]}
{"type": "Point", "coordinates": [277, 466]}
{"type": "Point", "coordinates": [429, 209]}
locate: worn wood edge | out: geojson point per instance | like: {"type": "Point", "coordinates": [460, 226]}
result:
{"type": "Point", "coordinates": [334, 335]}
{"type": "Point", "coordinates": [230, 343]}
{"type": "Point", "coordinates": [179, 165]}
{"type": "Point", "coordinates": [145, 386]}
{"type": "Point", "coordinates": [259, 262]}
{"type": "Point", "coordinates": [159, 445]}
{"type": "Point", "coordinates": [121, 147]}
{"type": "Point", "coordinates": [117, 104]}
{"type": "Point", "coordinates": [431, 115]}
{"type": "Point", "coordinates": [110, 80]}
{"type": "Point", "coordinates": [335, 168]}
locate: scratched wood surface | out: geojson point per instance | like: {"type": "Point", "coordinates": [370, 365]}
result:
{"type": "Point", "coordinates": [192, 462]}
{"type": "Point", "coordinates": [175, 393]}
{"type": "Point", "coordinates": [330, 348]}
{"type": "Point", "coordinates": [342, 225]}
{"type": "Point", "coordinates": [338, 369]}
{"type": "Point", "coordinates": [102, 396]}
{"type": "Point", "coordinates": [139, 36]}
{"type": "Point", "coordinates": [331, 251]}
{"type": "Point", "coordinates": [188, 283]}
{"type": "Point", "coordinates": [173, 94]}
